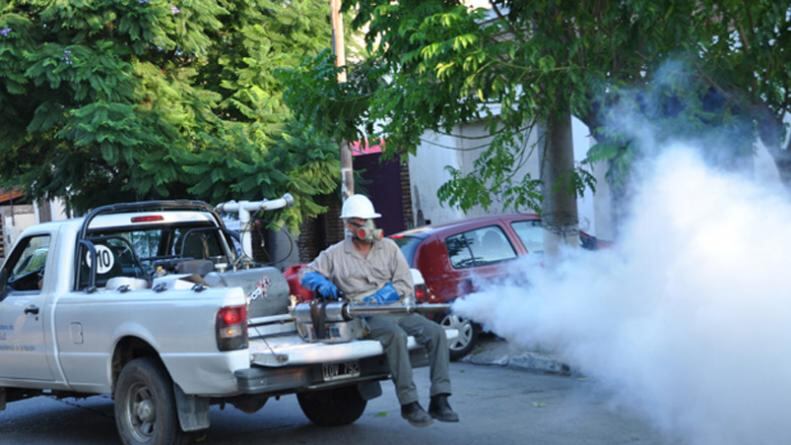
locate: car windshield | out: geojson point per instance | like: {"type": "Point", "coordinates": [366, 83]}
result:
{"type": "Point", "coordinates": [408, 245]}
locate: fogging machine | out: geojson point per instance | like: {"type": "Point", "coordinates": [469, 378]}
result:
{"type": "Point", "coordinates": [343, 321]}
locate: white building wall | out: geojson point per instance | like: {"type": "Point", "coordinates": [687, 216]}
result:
{"type": "Point", "coordinates": [436, 151]}
{"type": "Point", "coordinates": [58, 208]}
{"type": "Point", "coordinates": [13, 225]}
{"type": "Point", "coordinates": [17, 218]}
{"type": "Point", "coordinates": [427, 173]}
{"type": "Point", "coordinates": [603, 224]}
{"type": "Point", "coordinates": [593, 208]}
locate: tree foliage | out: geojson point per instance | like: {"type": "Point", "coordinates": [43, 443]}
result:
{"type": "Point", "coordinates": [103, 101]}
{"type": "Point", "coordinates": [438, 63]}
{"type": "Point", "coordinates": [717, 89]}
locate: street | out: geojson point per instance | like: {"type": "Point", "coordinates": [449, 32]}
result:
{"type": "Point", "coordinates": [497, 406]}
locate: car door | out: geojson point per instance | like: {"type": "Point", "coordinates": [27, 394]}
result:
{"type": "Point", "coordinates": [23, 351]}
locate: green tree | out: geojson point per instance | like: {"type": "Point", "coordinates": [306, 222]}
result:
{"type": "Point", "coordinates": [518, 65]}
{"type": "Point", "coordinates": [437, 63]}
{"type": "Point", "coordinates": [746, 57]}
{"type": "Point", "coordinates": [728, 85]}
{"type": "Point", "coordinates": [103, 101]}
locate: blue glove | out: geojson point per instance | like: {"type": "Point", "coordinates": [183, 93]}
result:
{"type": "Point", "coordinates": [386, 295]}
{"type": "Point", "coordinates": [320, 284]}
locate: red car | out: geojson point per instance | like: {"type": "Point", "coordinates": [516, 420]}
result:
{"type": "Point", "coordinates": [453, 257]}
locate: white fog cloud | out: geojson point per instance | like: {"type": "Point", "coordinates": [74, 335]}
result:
{"type": "Point", "coordinates": [687, 318]}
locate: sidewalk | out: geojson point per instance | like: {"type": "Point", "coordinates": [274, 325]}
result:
{"type": "Point", "coordinates": [495, 351]}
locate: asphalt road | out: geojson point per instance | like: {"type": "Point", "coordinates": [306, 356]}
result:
{"type": "Point", "coordinates": [497, 406]}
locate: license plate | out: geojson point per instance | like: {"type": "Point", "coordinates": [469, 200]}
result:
{"type": "Point", "coordinates": [340, 371]}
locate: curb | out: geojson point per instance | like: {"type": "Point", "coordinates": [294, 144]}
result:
{"type": "Point", "coordinates": [500, 353]}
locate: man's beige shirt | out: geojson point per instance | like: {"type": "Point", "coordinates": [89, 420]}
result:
{"type": "Point", "coordinates": [359, 276]}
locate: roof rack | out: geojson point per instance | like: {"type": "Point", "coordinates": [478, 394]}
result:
{"type": "Point", "coordinates": [141, 206]}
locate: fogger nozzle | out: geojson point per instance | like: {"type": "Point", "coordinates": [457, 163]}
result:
{"type": "Point", "coordinates": [335, 311]}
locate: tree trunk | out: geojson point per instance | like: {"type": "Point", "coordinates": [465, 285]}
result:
{"type": "Point", "coordinates": [772, 133]}
{"type": "Point", "coordinates": [783, 164]}
{"type": "Point", "coordinates": [559, 207]}
{"type": "Point", "coordinates": [782, 158]}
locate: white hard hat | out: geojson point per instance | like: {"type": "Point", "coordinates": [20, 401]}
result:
{"type": "Point", "coordinates": [358, 206]}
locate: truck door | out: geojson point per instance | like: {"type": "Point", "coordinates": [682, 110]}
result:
{"type": "Point", "coordinates": [23, 351]}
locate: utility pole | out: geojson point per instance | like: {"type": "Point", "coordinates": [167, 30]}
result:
{"type": "Point", "coordinates": [339, 49]}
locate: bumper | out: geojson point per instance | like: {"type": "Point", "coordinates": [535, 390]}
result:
{"type": "Point", "coordinates": [208, 374]}
{"type": "Point", "coordinates": [289, 379]}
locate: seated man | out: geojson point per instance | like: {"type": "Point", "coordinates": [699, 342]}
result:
{"type": "Point", "coordinates": [369, 269]}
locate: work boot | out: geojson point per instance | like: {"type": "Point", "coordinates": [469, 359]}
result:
{"type": "Point", "coordinates": [415, 415]}
{"type": "Point", "coordinates": [440, 409]}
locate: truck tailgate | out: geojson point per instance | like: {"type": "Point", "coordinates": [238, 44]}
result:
{"type": "Point", "coordinates": [290, 350]}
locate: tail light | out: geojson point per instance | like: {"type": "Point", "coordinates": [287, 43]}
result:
{"type": "Point", "coordinates": [147, 218]}
{"type": "Point", "coordinates": [232, 328]}
{"type": "Point", "coordinates": [421, 293]}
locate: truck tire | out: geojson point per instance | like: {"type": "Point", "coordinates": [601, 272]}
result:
{"type": "Point", "coordinates": [468, 335]}
{"type": "Point", "coordinates": [145, 407]}
{"type": "Point", "coordinates": [332, 407]}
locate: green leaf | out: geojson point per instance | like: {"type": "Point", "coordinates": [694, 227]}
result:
{"type": "Point", "coordinates": [120, 101]}
{"type": "Point", "coordinates": [602, 152]}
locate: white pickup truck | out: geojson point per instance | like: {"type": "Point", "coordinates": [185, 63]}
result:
{"type": "Point", "coordinates": [149, 302]}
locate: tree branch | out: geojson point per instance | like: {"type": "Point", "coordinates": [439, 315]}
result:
{"type": "Point", "coordinates": [502, 17]}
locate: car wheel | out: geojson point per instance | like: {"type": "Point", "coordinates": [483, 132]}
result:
{"type": "Point", "coordinates": [332, 407]}
{"type": "Point", "coordinates": [145, 407]}
{"type": "Point", "coordinates": [468, 335]}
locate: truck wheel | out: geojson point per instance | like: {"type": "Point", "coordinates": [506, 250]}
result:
{"type": "Point", "coordinates": [467, 338]}
{"type": "Point", "coordinates": [145, 407]}
{"type": "Point", "coordinates": [332, 407]}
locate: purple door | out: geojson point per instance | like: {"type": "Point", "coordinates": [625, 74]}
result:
{"type": "Point", "coordinates": [381, 182]}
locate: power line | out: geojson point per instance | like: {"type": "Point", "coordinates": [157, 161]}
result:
{"type": "Point", "coordinates": [475, 148]}
{"type": "Point", "coordinates": [450, 147]}
{"type": "Point", "coordinates": [486, 136]}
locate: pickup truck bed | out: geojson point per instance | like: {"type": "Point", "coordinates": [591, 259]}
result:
{"type": "Point", "coordinates": [282, 360]}
{"type": "Point", "coordinates": [274, 343]}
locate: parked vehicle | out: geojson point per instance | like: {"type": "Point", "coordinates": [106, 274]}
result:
{"type": "Point", "coordinates": [149, 302]}
{"type": "Point", "coordinates": [455, 257]}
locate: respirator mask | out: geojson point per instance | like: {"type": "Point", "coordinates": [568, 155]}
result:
{"type": "Point", "coordinates": [366, 232]}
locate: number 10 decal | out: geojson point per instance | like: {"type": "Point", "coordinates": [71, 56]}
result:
{"type": "Point", "coordinates": [105, 259]}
